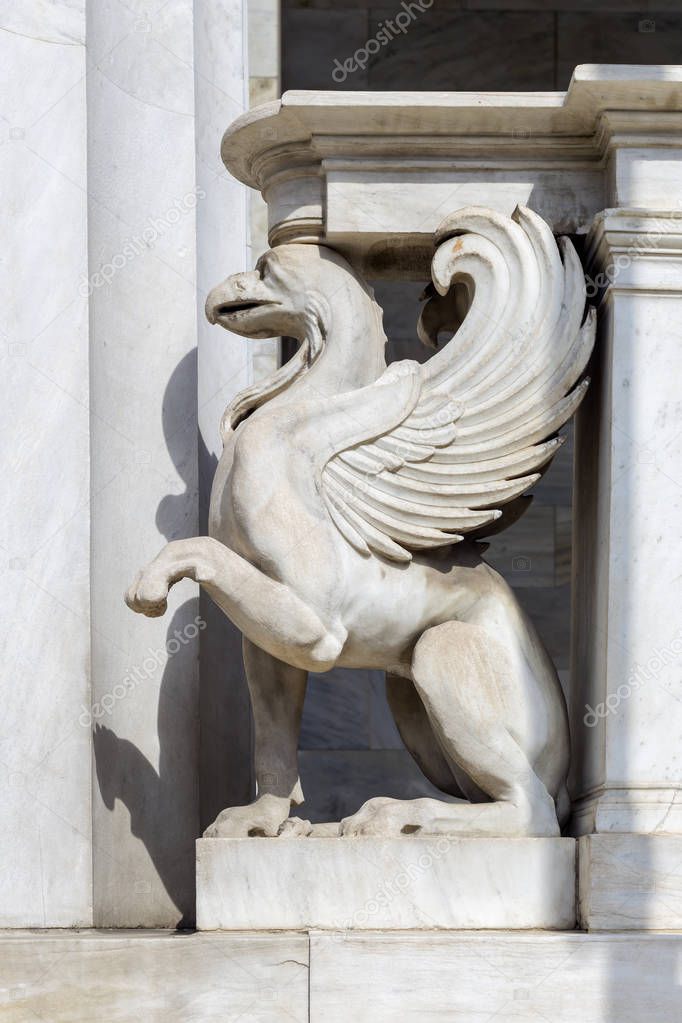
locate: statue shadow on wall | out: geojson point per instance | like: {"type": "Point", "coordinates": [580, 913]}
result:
{"type": "Point", "coordinates": [203, 734]}
{"type": "Point", "coordinates": [162, 804]}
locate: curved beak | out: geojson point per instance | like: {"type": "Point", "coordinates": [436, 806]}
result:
{"type": "Point", "coordinates": [230, 303]}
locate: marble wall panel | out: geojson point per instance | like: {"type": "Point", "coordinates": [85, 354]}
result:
{"type": "Point", "coordinates": [45, 832]}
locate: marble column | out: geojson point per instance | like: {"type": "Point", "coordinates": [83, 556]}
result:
{"type": "Point", "coordinates": [627, 667]}
{"type": "Point", "coordinates": [166, 223]}
{"type": "Point", "coordinates": [225, 366]}
{"type": "Point", "coordinates": [142, 211]}
{"type": "Point", "coordinates": [119, 212]}
{"type": "Point", "coordinates": [45, 840]}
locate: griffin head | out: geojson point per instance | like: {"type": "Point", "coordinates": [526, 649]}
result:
{"type": "Point", "coordinates": [283, 294]}
{"type": "Point", "coordinates": [256, 304]}
{"type": "Point", "coordinates": [311, 293]}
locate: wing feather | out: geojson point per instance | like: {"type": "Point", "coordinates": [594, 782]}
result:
{"type": "Point", "coordinates": [491, 401]}
{"type": "Point", "coordinates": [428, 515]}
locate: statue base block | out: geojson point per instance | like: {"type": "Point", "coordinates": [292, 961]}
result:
{"type": "Point", "coordinates": [434, 882]}
{"type": "Point", "coordinates": [630, 882]}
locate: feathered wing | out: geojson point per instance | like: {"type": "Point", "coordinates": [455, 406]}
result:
{"type": "Point", "coordinates": [490, 401]}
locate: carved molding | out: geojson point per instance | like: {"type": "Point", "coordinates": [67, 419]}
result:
{"type": "Point", "coordinates": [356, 168]}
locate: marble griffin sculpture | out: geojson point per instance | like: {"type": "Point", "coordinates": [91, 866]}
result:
{"type": "Point", "coordinates": [346, 511]}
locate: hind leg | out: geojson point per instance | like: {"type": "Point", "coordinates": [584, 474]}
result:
{"type": "Point", "coordinates": [277, 694]}
{"type": "Point", "coordinates": [466, 682]}
{"type": "Point", "coordinates": [417, 733]}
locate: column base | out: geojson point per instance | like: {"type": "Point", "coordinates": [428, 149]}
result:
{"type": "Point", "coordinates": [435, 882]}
{"type": "Point", "coordinates": [630, 882]}
{"type": "Point", "coordinates": [642, 811]}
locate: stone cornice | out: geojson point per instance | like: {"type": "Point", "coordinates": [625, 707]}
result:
{"type": "Point", "coordinates": [602, 103]}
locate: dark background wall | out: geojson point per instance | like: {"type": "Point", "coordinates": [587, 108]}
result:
{"type": "Point", "coordinates": [350, 749]}
{"type": "Point", "coordinates": [474, 45]}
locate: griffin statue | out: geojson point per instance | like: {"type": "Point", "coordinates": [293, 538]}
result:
{"type": "Point", "coordinates": [349, 504]}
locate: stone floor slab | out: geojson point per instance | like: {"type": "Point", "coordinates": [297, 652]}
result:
{"type": "Point", "coordinates": [495, 977]}
{"type": "Point", "coordinates": [152, 977]}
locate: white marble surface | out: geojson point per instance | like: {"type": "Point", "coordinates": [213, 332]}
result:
{"type": "Point", "coordinates": [324, 576]}
{"type": "Point", "coordinates": [420, 152]}
{"type": "Point", "coordinates": [373, 977]}
{"type": "Point", "coordinates": [627, 715]}
{"type": "Point", "coordinates": [263, 19]}
{"type": "Point", "coordinates": [143, 314]}
{"type": "Point", "coordinates": [263, 38]}
{"type": "Point", "coordinates": [630, 882]}
{"type": "Point", "coordinates": [45, 846]}
{"type": "Point", "coordinates": [152, 976]}
{"type": "Point", "coordinates": [616, 810]}
{"type": "Point", "coordinates": [225, 365]}
{"type": "Point", "coordinates": [477, 978]}
{"type": "Point", "coordinates": [642, 178]}
{"type": "Point", "coordinates": [398, 884]}
{"type": "Point", "coordinates": [141, 86]}
{"type": "Point", "coordinates": [532, 115]}
{"type": "Point", "coordinates": [121, 245]}
{"type": "Point", "coordinates": [611, 139]}
{"type": "Point", "coordinates": [405, 198]}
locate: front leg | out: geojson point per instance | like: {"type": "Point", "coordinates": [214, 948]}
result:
{"type": "Point", "coordinates": [277, 694]}
{"type": "Point", "coordinates": [269, 613]}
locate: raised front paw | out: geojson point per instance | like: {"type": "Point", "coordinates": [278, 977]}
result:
{"type": "Point", "coordinates": [260, 819]}
{"type": "Point", "coordinates": [148, 594]}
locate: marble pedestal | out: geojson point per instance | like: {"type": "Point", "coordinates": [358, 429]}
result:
{"type": "Point", "coordinates": [630, 882]}
{"type": "Point", "coordinates": [263, 884]}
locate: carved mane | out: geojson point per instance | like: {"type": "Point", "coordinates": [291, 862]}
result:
{"type": "Point", "coordinates": [251, 398]}
{"type": "Point", "coordinates": [322, 291]}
